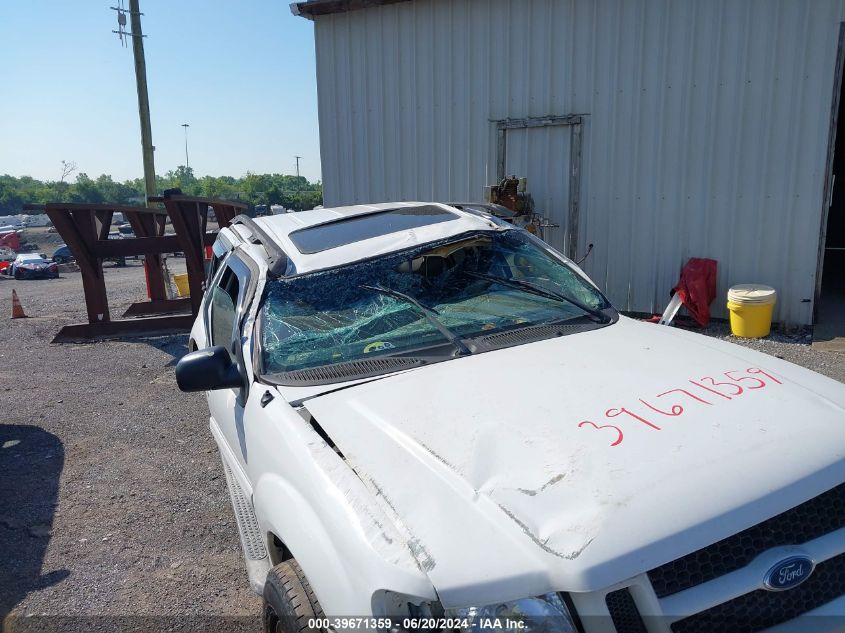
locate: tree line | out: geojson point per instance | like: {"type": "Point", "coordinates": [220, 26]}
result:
{"type": "Point", "coordinates": [292, 192]}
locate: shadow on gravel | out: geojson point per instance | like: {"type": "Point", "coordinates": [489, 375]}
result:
{"type": "Point", "coordinates": [175, 345]}
{"type": "Point", "coordinates": [31, 462]}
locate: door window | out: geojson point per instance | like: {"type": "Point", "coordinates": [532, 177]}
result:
{"type": "Point", "coordinates": [218, 253]}
{"type": "Point", "coordinates": [224, 302]}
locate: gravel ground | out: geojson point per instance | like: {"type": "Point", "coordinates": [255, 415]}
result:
{"type": "Point", "coordinates": [112, 500]}
{"type": "Point", "coordinates": [792, 347]}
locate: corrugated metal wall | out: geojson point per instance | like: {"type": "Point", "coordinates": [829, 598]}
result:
{"type": "Point", "coordinates": [706, 127]}
{"type": "Point", "coordinates": [543, 153]}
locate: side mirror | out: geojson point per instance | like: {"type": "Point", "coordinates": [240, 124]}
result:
{"type": "Point", "coordinates": [208, 369]}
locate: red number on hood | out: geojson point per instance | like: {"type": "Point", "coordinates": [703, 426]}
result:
{"type": "Point", "coordinates": [737, 389]}
{"type": "Point", "coordinates": [676, 408]}
{"type": "Point", "coordinates": [633, 415]}
{"type": "Point", "coordinates": [757, 370]}
{"type": "Point", "coordinates": [604, 426]}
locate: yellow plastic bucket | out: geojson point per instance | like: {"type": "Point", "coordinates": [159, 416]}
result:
{"type": "Point", "coordinates": [751, 306]}
{"type": "Point", "coordinates": [182, 287]}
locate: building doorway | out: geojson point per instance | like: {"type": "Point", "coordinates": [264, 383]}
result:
{"type": "Point", "coordinates": [547, 151]}
{"type": "Point", "coordinates": [829, 330]}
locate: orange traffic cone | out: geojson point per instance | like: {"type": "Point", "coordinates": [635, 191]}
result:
{"type": "Point", "coordinates": [17, 308]}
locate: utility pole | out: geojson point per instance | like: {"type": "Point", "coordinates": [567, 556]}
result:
{"type": "Point", "coordinates": [143, 100]}
{"type": "Point", "coordinates": [297, 165]}
{"type": "Point", "coordinates": [187, 164]}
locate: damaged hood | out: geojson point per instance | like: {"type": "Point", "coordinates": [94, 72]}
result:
{"type": "Point", "coordinates": [578, 462]}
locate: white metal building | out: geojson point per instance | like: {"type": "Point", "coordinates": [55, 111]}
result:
{"type": "Point", "coordinates": [657, 130]}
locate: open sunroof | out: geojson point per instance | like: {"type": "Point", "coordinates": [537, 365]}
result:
{"type": "Point", "coordinates": [328, 235]}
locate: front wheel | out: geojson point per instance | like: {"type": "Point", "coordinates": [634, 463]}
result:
{"type": "Point", "coordinates": [290, 605]}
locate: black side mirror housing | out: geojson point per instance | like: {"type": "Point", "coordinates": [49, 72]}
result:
{"type": "Point", "coordinates": [208, 369]}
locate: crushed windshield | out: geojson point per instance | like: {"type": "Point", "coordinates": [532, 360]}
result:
{"type": "Point", "coordinates": [426, 298]}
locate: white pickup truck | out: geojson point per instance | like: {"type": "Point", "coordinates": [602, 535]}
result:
{"type": "Point", "coordinates": [429, 419]}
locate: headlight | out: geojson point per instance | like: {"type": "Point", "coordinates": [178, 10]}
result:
{"type": "Point", "coordinates": [544, 614]}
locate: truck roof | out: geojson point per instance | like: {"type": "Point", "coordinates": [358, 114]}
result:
{"type": "Point", "coordinates": [324, 238]}
{"type": "Point", "coordinates": [25, 257]}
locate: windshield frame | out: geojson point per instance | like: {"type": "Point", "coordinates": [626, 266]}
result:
{"type": "Point", "coordinates": [431, 353]}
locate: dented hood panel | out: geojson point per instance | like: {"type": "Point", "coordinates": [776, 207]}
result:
{"type": "Point", "coordinates": [578, 462]}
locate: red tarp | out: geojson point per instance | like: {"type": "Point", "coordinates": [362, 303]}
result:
{"type": "Point", "coordinates": [697, 288]}
{"type": "Point", "coordinates": [11, 240]}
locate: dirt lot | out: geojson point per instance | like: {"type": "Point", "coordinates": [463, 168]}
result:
{"type": "Point", "coordinates": [112, 501]}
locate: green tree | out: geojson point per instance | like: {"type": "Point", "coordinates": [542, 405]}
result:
{"type": "Point", "coordinates": [183, 178]}
{"type": "Point", "coordinates": [87, 190]}
{"type": "Point", "coordinates": [291, 191]}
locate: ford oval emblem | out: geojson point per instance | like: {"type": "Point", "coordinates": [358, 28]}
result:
{"type": "Point", "coordinates": [788, 573]}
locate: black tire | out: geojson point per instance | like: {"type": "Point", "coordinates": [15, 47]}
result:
{"type": "Point", "coordinates": [289, 601]}
{"type": "Point", "coordinates": [18, 274]}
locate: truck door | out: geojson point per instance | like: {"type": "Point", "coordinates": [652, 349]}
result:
{"type": "Point", "coordinates": [228, 301]}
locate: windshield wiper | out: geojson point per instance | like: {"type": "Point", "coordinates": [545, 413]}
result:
{"type": "Point", "coordinates": [527, 286]}
{"type": "Point", "coordinates": [429, 313]}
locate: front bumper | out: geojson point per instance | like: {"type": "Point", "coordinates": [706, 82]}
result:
{"type": "Point", "coordinates": [28, 273]}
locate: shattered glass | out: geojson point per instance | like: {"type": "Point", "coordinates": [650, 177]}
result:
{"type": "Point", "coordinates": [327, 317]}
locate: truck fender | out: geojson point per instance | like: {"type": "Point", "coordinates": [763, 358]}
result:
{"type": "Point", "coordinates": [304, 493]}
{"type": "Point", "coordinates": [284, 512]}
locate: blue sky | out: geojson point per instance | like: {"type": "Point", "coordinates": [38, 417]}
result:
{"type": "Point", "coordinates": [241, 73]}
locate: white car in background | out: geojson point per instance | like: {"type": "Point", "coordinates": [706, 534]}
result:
{"type": "Point", "coordinates": [429, 416]}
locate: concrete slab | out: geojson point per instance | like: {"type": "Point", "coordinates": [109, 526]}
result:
{"type": "Point", "coordinates": [835, 344]}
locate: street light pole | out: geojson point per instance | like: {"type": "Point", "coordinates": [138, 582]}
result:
{"type": "Point", "coordinates": [297, 165]}
{"type": "Point", "coordinates": [186, 126]}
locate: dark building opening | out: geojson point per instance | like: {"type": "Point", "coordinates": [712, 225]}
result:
{"type": "Point", "coordinates": [830, 314]}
